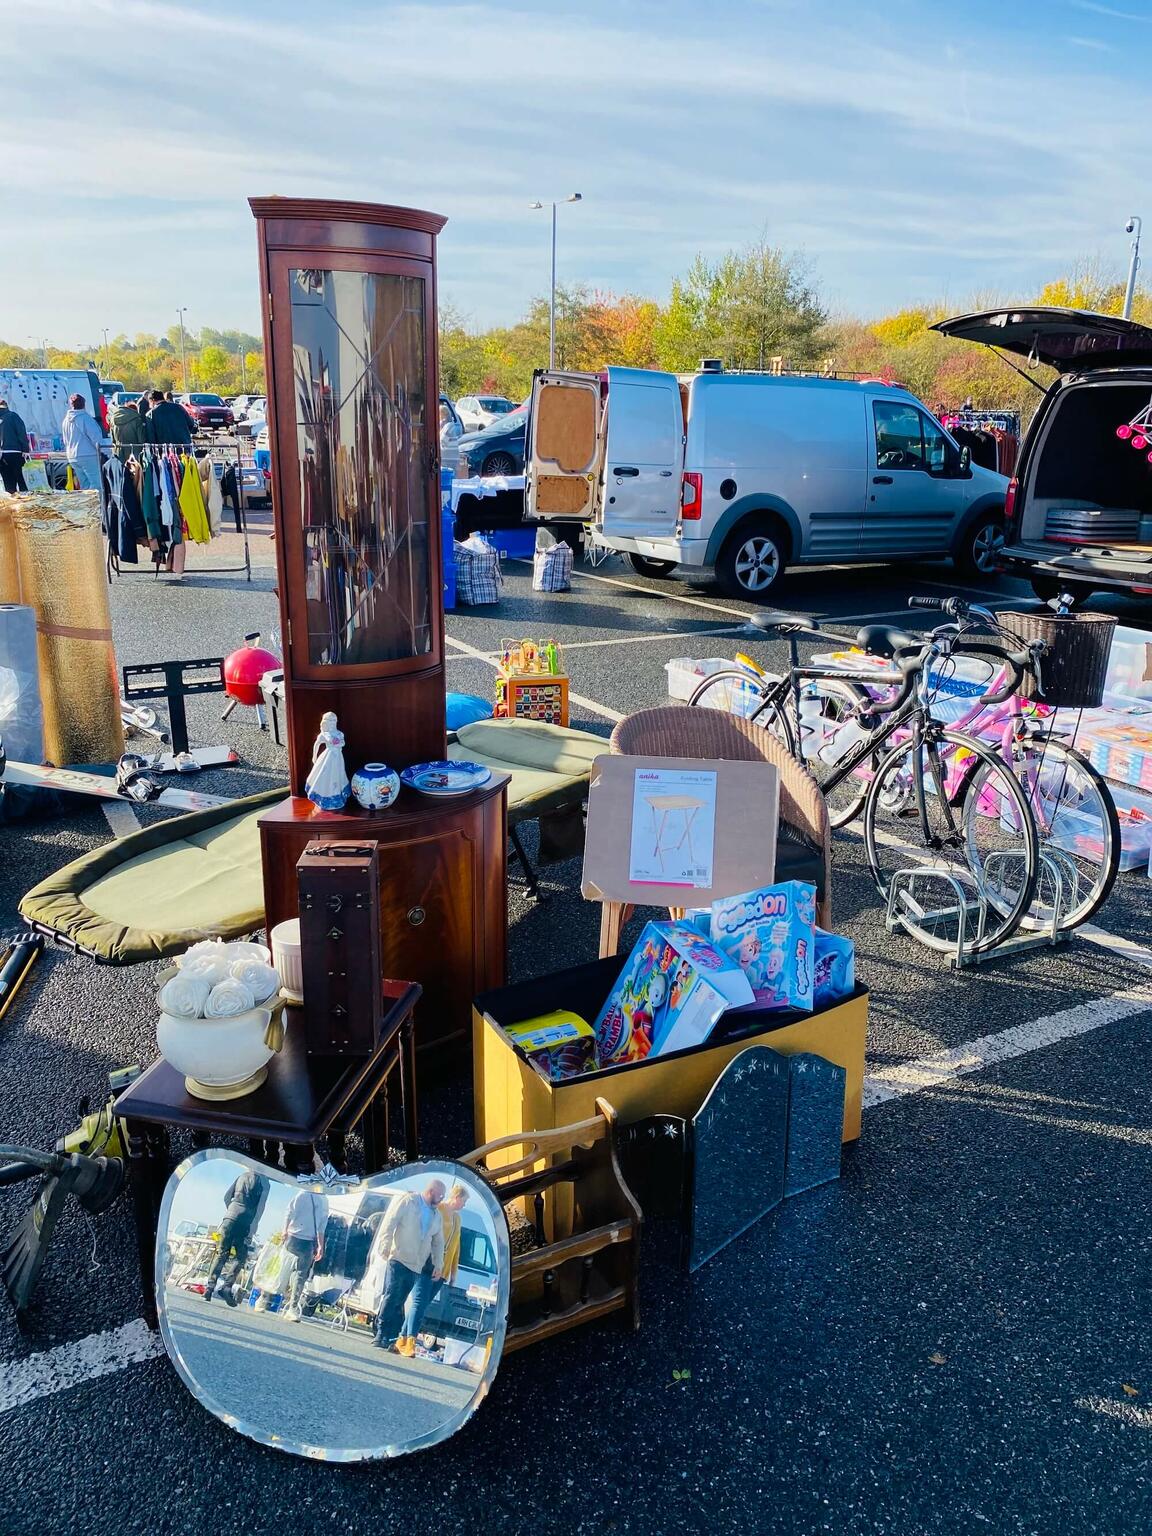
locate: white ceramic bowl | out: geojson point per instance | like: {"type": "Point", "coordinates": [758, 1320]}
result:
{"type": "Point", "coordinates": [286, 956]}
{"type": "Point", "coordinates": [216, 1052]}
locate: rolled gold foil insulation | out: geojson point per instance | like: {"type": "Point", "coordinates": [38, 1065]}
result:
{"type": "Point", "coordinates": [60, 561]}
{"type": "Point", "coordinates": [9, 564]}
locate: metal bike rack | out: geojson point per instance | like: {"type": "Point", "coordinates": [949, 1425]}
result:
{"type": "Point", "coordinates": [902, 893]}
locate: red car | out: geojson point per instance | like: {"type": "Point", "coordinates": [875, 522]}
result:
{"type": "Point", "coordinates": [207, 410]}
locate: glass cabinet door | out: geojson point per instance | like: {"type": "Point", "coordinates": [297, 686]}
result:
{"type": "Point", "coordinates": [359, 350]}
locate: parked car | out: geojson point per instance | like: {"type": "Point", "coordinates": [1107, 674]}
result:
{"type": "Point", "coordinates": [207, 410]}
{"type": "Point", "coordinates": [123, 397]}
{"type": "Point", "coordinates": [451, 427]}
{"type": "Point", "coordinates": [110, 388]}
{"type": "Point", "coordinates": [498, 450]}
{"type": "Point", "coordinates": [750, 473]}
{"type": "Point", "coordinates": [1078, 513]}
{"type": "Point", "coordinates": [480, 411]}
{"type": "Point", "coordinates": [40, 397]}
{"type": "Point", "coordinates": [246, 406]}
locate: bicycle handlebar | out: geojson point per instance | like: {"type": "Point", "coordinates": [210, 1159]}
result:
{"type": "Point", "coordinates": [1016, 663]}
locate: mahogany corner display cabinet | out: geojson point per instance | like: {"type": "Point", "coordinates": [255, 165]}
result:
{"type": "Point", "coordinates": [349, 309]}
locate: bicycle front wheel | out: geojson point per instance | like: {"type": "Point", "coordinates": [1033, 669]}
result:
{"type": "Point", "coordinates": [1079, 832]}
{"type": "Point", "coordinates": [951, 842]}
{"type": "Point", "coordinates": [738, 693]}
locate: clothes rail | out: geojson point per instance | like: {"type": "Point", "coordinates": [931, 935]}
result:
{"type": "Point", "coordinates": [227, 455]}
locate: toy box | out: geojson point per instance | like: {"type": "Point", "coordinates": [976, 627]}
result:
{"type": "Point", "coordinates": [559, 1045]}
{"type": "Point", "coordinates": [833, 970]}
{"type": "Point", "coordinates": [531, 683]}
{"type": "Point", "coordinates": [669, 995]}
{"type": "Point", "coordinates": [770, 934]}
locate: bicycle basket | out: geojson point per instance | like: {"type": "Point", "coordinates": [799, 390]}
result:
{"type": "Point", "coordinates": [1075, 665]}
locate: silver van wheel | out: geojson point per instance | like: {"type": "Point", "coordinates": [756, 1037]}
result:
{"type": "Point", "coordinates": [757, 563]}
{"type": "Point", "coordinates": [987, 548]}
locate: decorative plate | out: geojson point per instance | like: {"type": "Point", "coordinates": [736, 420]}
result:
{"type": "Point", "coordinates": [446, 778]}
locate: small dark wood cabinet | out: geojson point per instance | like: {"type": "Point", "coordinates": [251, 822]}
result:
{"type": "Point", "coordinates": [443, 904]}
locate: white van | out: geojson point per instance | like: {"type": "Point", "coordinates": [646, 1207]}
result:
{"type": "Point", "coordinates": [40, 397]}
{"type": "Point", "coordinates": [751, 473]}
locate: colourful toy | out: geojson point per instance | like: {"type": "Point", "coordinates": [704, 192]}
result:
{"type": "Point", "coordinates": [834, 976]}
{"type": "Point", "coordinates": [770, 933]}
{"type": "Point", "coordinates": [669, 995]}
{"type": "Point", "coordinates": [530, 684]}
{"type": "Point", "coordinates": [560, 1045]}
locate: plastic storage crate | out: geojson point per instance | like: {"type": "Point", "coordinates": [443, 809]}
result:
{"type": "Point", "coordinates": [685, 675]}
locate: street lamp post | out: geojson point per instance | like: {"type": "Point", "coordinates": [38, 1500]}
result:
{"type": "Point", "coordinates": [1133, 227]}
{"type": "Point", "coordinates": [106, 369]}
{"type": "Point", "coordinates": [575, 197]}
{"type": "Point", "coordinates": [183, 353]}
{"type": "Point", "coordinates": [42, 343]}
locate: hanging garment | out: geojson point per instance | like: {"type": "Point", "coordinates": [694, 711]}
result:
{"type": "Point", "coordinates": [150, 503]}
{"type": "Point", "coordinates": [215, 500]}
{"type": "Point", "coordinates": [130, 499]}
{"type": "Point", "coordinates": [169, 498]}
{"type": "Point", "coordinates": [192, 508]}
{"type": "Point", "coordinates": [118, 526]}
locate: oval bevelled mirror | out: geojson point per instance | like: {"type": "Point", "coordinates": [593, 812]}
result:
{"type": "Point", "coordinates": [341, 1319]}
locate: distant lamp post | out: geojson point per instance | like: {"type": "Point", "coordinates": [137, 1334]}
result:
{"type": "Point", "coordinates": [1133, 227]}
{"type": "Point", "coordinates": [183, 350]}
{"type": "Point", "coordinates": [106, 357]}
{"type": "Point", "coordinates": [42, 343]}
{"type": "Point", "coordinates": [574, 198]}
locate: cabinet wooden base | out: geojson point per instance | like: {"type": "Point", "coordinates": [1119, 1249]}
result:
{"type": "Point", "coordinates": [443, 895]}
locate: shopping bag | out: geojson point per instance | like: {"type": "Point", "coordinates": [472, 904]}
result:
{"type": "Point", "coordinates": [36, 475]}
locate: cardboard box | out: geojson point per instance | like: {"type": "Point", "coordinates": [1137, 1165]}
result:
{"type": "Point", "coordinates": [511, 1097]}
{"type": "Point", "coordinates": [679, 832]}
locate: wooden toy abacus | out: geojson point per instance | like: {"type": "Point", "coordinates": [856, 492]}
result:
{"type": "Point", "coordinates": [531, 684]}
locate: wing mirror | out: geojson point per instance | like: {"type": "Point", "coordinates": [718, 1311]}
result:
{"type": "Point", "coordinates": [965, 460]}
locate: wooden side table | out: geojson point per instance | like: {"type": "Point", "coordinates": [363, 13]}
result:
{"type": "Point", "coordinates": [303, 1099]}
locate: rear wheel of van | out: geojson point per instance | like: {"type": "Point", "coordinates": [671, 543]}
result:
{"type": "Point", "coordinates": [980, 546]}
{"type": "Point", "coordinates": [645, 567]}
{"type": "Point", "coordinates": [751, 561]}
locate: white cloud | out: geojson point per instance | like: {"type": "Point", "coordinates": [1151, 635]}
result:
{"type": "Point", "coordinates": [889, 150]}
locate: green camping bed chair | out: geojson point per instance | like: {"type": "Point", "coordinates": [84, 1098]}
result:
{"type": "Point", "coordinates": [549, 768]}
{"type": "Point", "coordinates": [161, 889]}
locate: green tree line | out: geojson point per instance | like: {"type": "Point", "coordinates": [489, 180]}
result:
{"type": "Point", "coordinates": [759, 307]}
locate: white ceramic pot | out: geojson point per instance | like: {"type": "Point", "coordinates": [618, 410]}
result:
{"type": "Point", "coordinates": [286, 956]}
{"type": "Point", "coordinates": [217, 1053]}
{"type": "Point", "coordinates": [375, 786]}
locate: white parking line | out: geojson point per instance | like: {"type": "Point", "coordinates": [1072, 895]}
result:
{"type": "Point", "coordinates": [120, 817]}
{"type": "Point", "coordinates": [70, 1364]}
{"type": "Point", "coordinates": [941, 1067]}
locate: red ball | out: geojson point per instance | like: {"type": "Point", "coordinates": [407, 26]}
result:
{"type": "Point", "coordinates": [243, 671]}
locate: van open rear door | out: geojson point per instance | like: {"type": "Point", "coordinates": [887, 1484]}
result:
{"type": "Point", "coordinates": [562, 462]}
{"type": "Point", "coordinates": [643, 456]}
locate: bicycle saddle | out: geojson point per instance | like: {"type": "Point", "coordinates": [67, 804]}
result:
{"type": "Point", "coordinates": [885, 639]}
{"type": "Point", "coordinates": [783, 623]}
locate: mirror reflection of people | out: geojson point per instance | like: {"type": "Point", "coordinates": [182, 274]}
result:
{"type": "Point", "coordinates": [428, 1285]}
{"type": "Point", "coordinates": [303, 1244]}
{"type": "Point", "coordinates": [411, 1236]}
{"type": "Point", "coordinates": [244, 1204]}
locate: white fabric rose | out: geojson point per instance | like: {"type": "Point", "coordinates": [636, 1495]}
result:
{"type": "Point", "coordinates": [228, 998]}
{"type": "Point", "coordinates": [184, 996]}
{"type": "Point", "coordinates": [247, 949]}
{"type": "Point", "coordinates": [259, 975]}
{"type": "Point", "coordinates": [211, 967]}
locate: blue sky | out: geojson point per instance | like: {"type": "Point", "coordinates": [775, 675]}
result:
{"type": "Point", "coordinates": [912, 151]}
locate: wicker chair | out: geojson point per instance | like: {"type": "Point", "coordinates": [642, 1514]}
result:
{"type": "Point", "coordinates": [804, 848]}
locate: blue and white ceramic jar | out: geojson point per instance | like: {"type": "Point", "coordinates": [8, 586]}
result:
{"type": "Point", "coordinates": [375, 786]}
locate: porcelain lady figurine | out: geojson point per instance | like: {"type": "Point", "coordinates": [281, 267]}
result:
{"type": "Point", "coordinates": [327, 783]}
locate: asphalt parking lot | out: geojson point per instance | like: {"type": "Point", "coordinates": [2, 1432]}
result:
{"type": "Point", "coordinates": [952, 1338]}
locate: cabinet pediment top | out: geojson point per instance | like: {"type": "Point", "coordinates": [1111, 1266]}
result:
{"type": "Point", "coordinates": [358, 213]}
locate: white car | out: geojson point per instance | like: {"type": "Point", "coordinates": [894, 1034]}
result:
{"type": "Point", "coordinates": [480, 411]}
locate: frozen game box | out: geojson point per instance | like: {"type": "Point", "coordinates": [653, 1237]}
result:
{"type": "Point", "coordinates": [770, 934]}
{"type": "Point", "coordinates": [670, 994]}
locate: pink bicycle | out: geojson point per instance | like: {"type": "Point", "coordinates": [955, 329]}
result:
{"type": "Point", "coordinates": [840, 725]}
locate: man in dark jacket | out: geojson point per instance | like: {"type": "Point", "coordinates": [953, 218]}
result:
{"type": "Point", "coordinates": [13, 447]}
{"type": "Point", "coordinates": [129, 431]}
{"type": "Point", "coordinates": [168, 422]}
{"type": "Point", "coordinates": [243, 1206]}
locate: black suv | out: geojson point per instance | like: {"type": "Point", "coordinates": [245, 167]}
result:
{"type": "Point", "coordinates": [1078, 514]}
